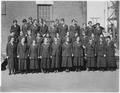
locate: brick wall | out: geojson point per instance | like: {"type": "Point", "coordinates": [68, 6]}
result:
{"type": "Point", "coordinates": [23, 9]}
{"type": "Point", "coordinates": [70, 10]}
{"type": "Point", "coordinates": [16, 10]}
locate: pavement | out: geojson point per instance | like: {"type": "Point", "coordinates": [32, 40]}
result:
{"type": "Point", "coordinates": [84, 81]}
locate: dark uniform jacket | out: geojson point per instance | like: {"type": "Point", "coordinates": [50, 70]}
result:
{"type": "Point", "coordinates": [56, 49]}
{"type": "Point", "coordinates": [34, 51]}
{"type": "Point", "coordinates": [110, 49]}
{"type": "Point", "coordinates": [73, 30]}
{"type": "Point", "coordinates": [97, 32]}
{"type": "Point", "coordinates": [90, 50]}
{"type": "Point", "coordinates": [94, 40]}
{"type": "Point", "coordinates": [67, 49]}
{"type": "Point", "coordinates": [39, 41]}
{"type": "Point", "coordinates": [34, 30]}
{"type": "Point", "coordinates": [77, 49]}
{"type": "Point", "coordinates": [59, 41]}
{"type": "Point", "coordinates": [53, 31]}
{"type": "Point", "coordinates": [78, 29]}
{"type": "Point", "coordinates": [29, 25]}
{"type": "Point", "coordinates": [22, 51]}
{"type": "Point", "coordinates": [57, 26]}
{"type": "Point", "coordinates": [100, 49]}
{"type": "Point", "coordinates": [63, 30]}
{"type": "Point", "coordinates": [24, 29]}
{"type": "Point", "coordinates": [84, 40]}
{"type": "Point", "coordinates": [29, 40]}
{"type": "Point", "coordinates": [73, 39]}
{"type": "Point", "coordinates": [43, 29]}
{"type": "Point", "coordinates": [45, 50]}
{"type": "Point", "coordinates": [11, 50]}
{"type": "Point", "coordinates": [16, 30]}
{"type": "Point", "coordinates": [84, 30]}
{"type": "Point", "coordinates": [90, 30]}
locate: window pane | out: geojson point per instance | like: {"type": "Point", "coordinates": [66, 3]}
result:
{"type": "Point", "coordinates": [44, 12]}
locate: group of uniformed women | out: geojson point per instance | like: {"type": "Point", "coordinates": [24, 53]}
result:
{"type": "Point", "coordinates": [38, 47]}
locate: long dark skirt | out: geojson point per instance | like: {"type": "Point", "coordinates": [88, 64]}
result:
{"type": "Point", "coordinates": [91, 62]}
{"type": "Point", "coordinates": [22, 64]}
{"type": "Point", "coordinates": [111, 62]}
{"type": "Point", "coordinates": [11, 63]}
{"type": "Point", "coordinates": [67, 61]}
{"type": "Point", "coordinates": [101, 61]}
{"type": "Point", "coordinates": [55, 62]}
{"type": "Point", "coordinates": [45, 63]}
{"type": "Point", "coordinates": [78, 61]}
{"type": "Point", "coordinates": [34, 64]}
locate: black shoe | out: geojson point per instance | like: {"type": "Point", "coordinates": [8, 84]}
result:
{"type": "Point", "coordinates": [9, 73]}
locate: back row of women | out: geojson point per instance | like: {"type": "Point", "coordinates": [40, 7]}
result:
{"type": "Point", "coordinates": [38, 47]}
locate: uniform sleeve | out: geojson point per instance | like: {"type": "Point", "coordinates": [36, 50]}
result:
{"type": "Point", "coordinates": [50, 50]}
{"type": "Point", "coordinates": [62, 46]}
{"type": "Point", "coordinates": [73, 48]}
{"type": "Point", "coordinates": [104, 49]}
{"type": "Point", "coordinates": [86, 49]}
{"type": "Point", "coordinates": [41, 48]}
{"type": "Point", "coordinates": [19, 29]}
{"type": "Point", "coordinates": [57, 29]}
{"type": "Point", "coordinates": [18, 49]}
{"type": "Point", "coordinates": [95, 48]}
{"type": "Point", "coordinates": [27, 49]}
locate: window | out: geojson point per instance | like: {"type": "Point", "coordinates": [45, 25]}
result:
{"type": "Point", "coordinates": [45, 12]}
{"type": "Point", "coordinates": [3, 8]}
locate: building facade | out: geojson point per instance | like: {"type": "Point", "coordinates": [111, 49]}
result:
{"type": "Point", "coordinates": [20, 10]}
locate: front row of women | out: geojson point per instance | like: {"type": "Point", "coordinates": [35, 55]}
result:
{"type": "Point", "coordinates": [55, 56]}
